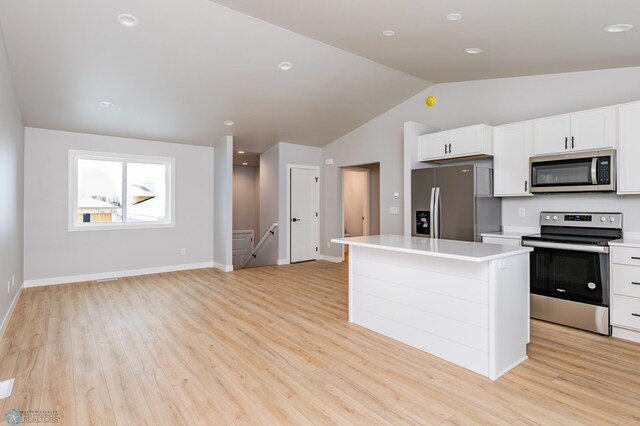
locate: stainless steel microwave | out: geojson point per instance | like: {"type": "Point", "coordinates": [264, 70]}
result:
{"type": "Point", "coordinates": [588, 171]}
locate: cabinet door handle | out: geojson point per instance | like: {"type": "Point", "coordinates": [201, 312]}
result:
{"type": "Point", "coordinates": [526, 186]}
{"type": "Point", "coordinates": [635, 257]}
{"type": "Point", "coordinates": [566, 143]}
{"type": "Point", "coordinates": [445, 148]}
{"type": "Point", "coordinates": [573, 145]}
{"type": "Point", "coordinates": [635, 315]}
{"type": "Point", "coordinates": [635, 283]}
{"type": "Point", "coordinates": [450, 149]}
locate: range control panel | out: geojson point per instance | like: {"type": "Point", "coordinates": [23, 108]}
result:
{"type": "Point", "coordinates": [588, 220]}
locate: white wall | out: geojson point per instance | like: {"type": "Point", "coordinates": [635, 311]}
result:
{"type": "Point", "coordinates": [11, 188]}
{"type": "Point", "coordinates": [494, 102]}
{"type": "Point", "coordinates": [52, 252]}
{"type": "Point", "coordinates": [246, 207]}
{"type": "Point", "coordinates": [223, 204]}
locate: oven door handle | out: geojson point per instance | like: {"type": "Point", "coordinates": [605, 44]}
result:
{"type": "Point", "coordinates": [594, 171]}
{"type": "Point", "coordinates": [561, 246]}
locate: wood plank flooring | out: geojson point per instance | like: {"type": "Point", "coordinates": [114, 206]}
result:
{"type": "Point", "coordinates": [273, 346]}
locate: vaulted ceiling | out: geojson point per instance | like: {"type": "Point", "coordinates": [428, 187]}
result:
{"type": "Point", "coordinates": [190, 65]}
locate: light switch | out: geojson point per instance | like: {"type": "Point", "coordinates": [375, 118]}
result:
{"type": "Point", "coordinates": [394, 210]}
{"type": "Point", "coordinates": [328, 161]}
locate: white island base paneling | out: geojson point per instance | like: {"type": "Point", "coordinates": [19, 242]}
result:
{"type": "Point", "coordinates": [474, 314]}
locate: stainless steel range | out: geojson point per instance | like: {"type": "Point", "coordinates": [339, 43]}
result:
{"type": "Point", "coordinates": [570, 268]}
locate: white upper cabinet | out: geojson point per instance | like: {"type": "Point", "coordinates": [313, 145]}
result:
{"type": "Point", "coordinates": [629, 148]}
{"type": "Point", "coordinates": [512, 149]}
{"type": "Point", "coordinates": [464, 142]}
{"type": "Point", "coordinates": [579, 131]}
{"type": "Point", "coordinates": [593, 129]}
{"type": "Point", "coordinates": [551, 135]}
{"type": "Point", "coordinates": [433, 145]}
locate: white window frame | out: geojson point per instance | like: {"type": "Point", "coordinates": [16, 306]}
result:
{"type": "Point", "coordinates": [75, 155]}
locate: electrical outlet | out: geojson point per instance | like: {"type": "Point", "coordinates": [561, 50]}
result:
{"type": "Point", "coordinates": [521, 212]}
{"type": "Point", "coordinates": [183, 252]}
{"type": "Point", "coordinates": [8, 286]}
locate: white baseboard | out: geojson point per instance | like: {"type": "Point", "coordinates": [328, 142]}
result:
{"type": "Point", "coordinates": [118, 274]}
{"type": "Point", "coordinates": [7, 317]}
{"type": "Point", "coordinates": [334, 259]}
{"type": "Point", "coordinates": [283, 261]}
{"type": "Point", "coordinates": [223, 268]}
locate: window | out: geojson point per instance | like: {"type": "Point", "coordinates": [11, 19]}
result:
{"type": "Point", "coordinates": [112, 191]}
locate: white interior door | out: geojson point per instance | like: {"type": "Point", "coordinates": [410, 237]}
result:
{"type": "Point", "coordinates": [242, 246]}
{"type": "Point", "coordinates": [304, 199]}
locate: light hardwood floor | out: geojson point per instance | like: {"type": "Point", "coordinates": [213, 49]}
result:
{"type": "Point", "coordinates": [273, 346]}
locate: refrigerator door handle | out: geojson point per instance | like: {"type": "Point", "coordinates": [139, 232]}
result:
{"type": "Point", "coordinates": [436, 213]}
{"type": "Point", "coordinates": [433, 213]}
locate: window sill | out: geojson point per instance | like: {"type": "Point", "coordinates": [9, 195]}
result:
{"type": "Point", "coordinates": [119, 227]}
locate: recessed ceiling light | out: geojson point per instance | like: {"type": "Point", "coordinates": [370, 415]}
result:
{"type": "Point", "coordinates": [618, 28]}
{"type": "Point", "coordinates": [240, 152]}
{"type": "Point", "coordinates": [473, 50]}
{"type": "Point", "coordinates": [454, 17]}
{"type": "Point", "coordinates": [127, 20]}
{"type": "Point", "coordinates": [106, 104]}
{"type": "Point", "coordinates": [388, 33]}
{"type": "Point", "coordinates": [244, 164]}
{"type": "Point", "coordinates": [229, 123]}
{"type": "Point", "coordinates": [285, 66]}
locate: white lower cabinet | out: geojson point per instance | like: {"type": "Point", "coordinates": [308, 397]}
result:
{"type": "Point", "coordinates": [512, 149]}
{"type": "Point", "coordinates": [625, 292]}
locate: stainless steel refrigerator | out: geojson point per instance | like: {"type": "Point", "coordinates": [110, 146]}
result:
{"type": "Point", "coordinates": [454, 202]}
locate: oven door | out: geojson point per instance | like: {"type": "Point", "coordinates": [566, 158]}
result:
{"type": "Point", "coordinates": [580, 276]}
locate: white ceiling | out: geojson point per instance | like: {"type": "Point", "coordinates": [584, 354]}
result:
{"type": "Point", "coordinates": [192, 64]}
{"type": "Point", "coordinates": [188, 66]}
{"type": "Point", "coordinates": [518, 37]}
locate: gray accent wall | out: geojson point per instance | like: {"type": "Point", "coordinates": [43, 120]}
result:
{"type": "Point", "coordinates": [493, 102]}
{"type": "Point", "coordinates": [246, 199]}
{"type": "Point", "coordinates": [269, 190]}
{"type": "Point", "coordinates": [52, 251]}
{"type": "Point", "coordinates": [11, 189]}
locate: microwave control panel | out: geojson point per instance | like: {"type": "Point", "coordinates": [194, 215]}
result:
{"type": "Point", "coordinates": [604, 170]}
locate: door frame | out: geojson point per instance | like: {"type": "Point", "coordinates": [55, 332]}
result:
{"type": "Point", "coordinates": [365, 200]}
{"type": "Point", "coordinates": [288, 209]}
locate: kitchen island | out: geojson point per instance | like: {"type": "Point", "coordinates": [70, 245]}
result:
{"type": "Point", "coordinates": [465, 302]}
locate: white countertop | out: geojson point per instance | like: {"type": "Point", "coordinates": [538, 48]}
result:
{"type": "Point", "coordinates": [508, 234]}
{"type": "Point", "coordinates": [449, 249]}
{"type": "Point", "coordinates": [625, 242]}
